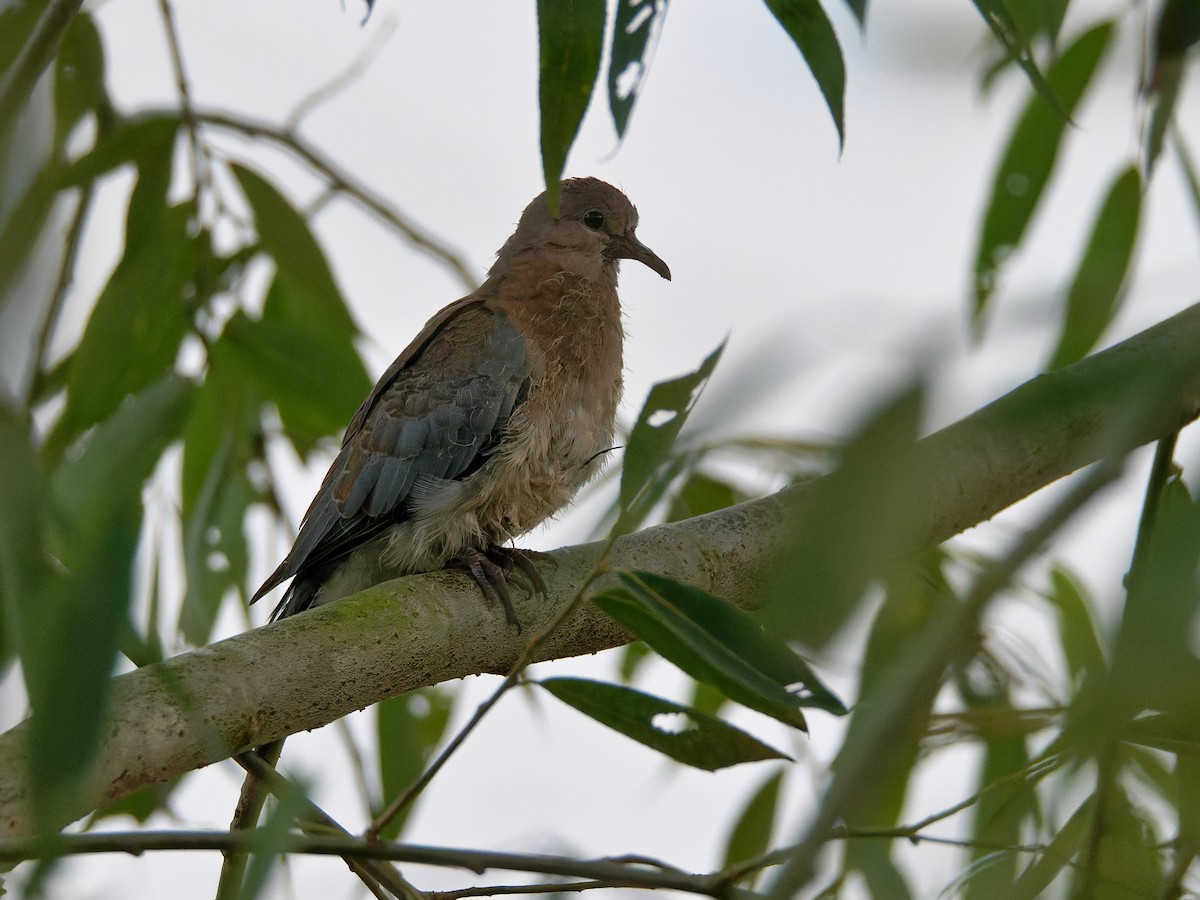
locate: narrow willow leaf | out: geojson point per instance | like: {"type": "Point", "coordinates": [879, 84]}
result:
{"type": "Point", "coordinates": [1076, 629]}
{"type": "Point", "coordinates": [1047, 865]}
{"type": "Point", "coordinates": [658, 424]}
{"type": "Point", "coordinates": [127, 143]}
{"type": "Point", "coordinates": [636, 22]}
{"type": "Point", "coordinates": [1015, 40]}
{"type": "Point", "coordinates": [134, 331]}
{"type": "Point", "coordinates": [408, 729]}
{"type": "Point", "coordinates": [1122, 860]}
{"type": "Point", "coordinates": [849, 526]}
{"type": "Point", "coordinates": [99, 492]}
{"type": "Point", "coordinates": [570, 41]}
{"type": "Point", "coordinates": [78, 76]}
{"type": "Point", "coordinates": [1177, 31]}
{"type": "Point", "coordinates": [1029, 159]}
{"type": "Point", "coordinates": [310, 294]}
{"type": "Point", "coordinates": [685, 735]}
{"type": "Point", "coordinates": [701, 494]}
{"type": "Point", "coordinates": [751, 834]}
{"type": "Point", "coordinates": [1093, 299]}
{"type": "Point", "coordinates": [812, 33]}
{"type": "Point", "coordinates": [859, 8]}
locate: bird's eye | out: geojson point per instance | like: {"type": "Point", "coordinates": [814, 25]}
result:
{"type": "Point", "coordinates": [593, 219]}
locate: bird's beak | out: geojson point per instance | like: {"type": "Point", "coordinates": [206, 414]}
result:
{"type": "Point", "coordinates": [629, 247]}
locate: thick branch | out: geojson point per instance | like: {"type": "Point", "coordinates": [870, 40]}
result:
{"type": "Point", "coordinates": [203, 706]}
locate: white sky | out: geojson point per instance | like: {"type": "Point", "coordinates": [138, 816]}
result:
{"type": "Point", "coordinates": [843, 273]}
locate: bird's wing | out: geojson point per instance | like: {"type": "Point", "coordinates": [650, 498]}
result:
{"type": "Point", "coordinates": [436, 413]}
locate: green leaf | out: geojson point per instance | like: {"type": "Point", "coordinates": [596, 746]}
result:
{"type": "Point", "coordinates": [24, 567]}
{"type": "Point", "coordinates": [315, 382]}
{"type": "Point", "coordinates": [812, 33]}
{"type": "Point", "coordinates": [847, 527]}
{"type": "Point", "coordinates": [859, 8]}
{"type": "Point", "coordinates": [719, 644]}
{"type": "Point", "coordinates": [1122, 861]}
{"type": "Point", "coordinates": [751, 834]}
{"type": "Point", "coordinates": [1092, 300]}
{"type": "Point", "coordinates": [1029, 160]}
{"type": "Point", "coordinates": [629, 55]}
{"type": "Point", "coordinates": [1047, 866]}
{"type": "Point", "coordinates": [1076, 628]}
{"type": "Point", "coordinates": [222, 440]}
{"type": "Point", "coordinates": [132, 141]}
{"type": "Point", "coordinates": [78, 76]}
{"type": "Point", "coordinates": [662, 416]}
{"type": "Point", "coordinates": [308, 293]}
{"type": "Point", "coordinates": [82, 614]}
{"type": "Point", "coordinates": [701, 494]}
{"type": "Point", "coordinates": [271, 839]}
{"type": "Point", "coordinates": [24, 222]}
{"type": "Point", "coordinates": [570, 40]}
{"type": "Point", "coordinates": [135, 329]}
{"type": "Point", "coordinates": [685, 735]}
{"type": "Point", "coordinates": [1015, 39]}
{"type": "Point", "coordinates": [409, 728]}
{"type": "Point", "coordinates": [1178, 30]}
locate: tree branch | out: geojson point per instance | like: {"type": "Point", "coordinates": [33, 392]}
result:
{"type": "Point", "coordinates": [200, 707]}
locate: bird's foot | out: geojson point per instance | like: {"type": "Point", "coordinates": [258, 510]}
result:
{"type": "Point", "coordinates": [491, 568]}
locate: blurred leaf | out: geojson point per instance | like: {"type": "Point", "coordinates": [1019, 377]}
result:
{"type": "Point", "coordinates": [859, 8]}
{"type": "Point", "coordinates": [685, 735]}
{"type": "Point", "coordinates": [19, 231]}
{"type": "Point", "coordinates": [307, 293]}
{"type": "Point", "coordinates": [217, 492]}
{"type": "Point", "coordinates": [141, 804]}
{"type": "Point", "coordinates": [1014, 34]}
{"type": "Point", "coordinates": [718, 643]}
{"type": "Point", "coordinates": [79, 85]}
{"type": "Point", "coordinates": [131, 141]}
{"type": "Point", "coordinates": [701, 494]}
{"type": "Point", "coordinates": [662, 416]}
{"type": "Point", "coordinates": [1122, 861]}
{"type": "Point", "coordinates": [316, 383]}
{"type": "Point", "coordinates": [1057, 856]}
{"type": "Point", "coordinates": [1187, 796]}
{"type": "Point", "coordinates": [629, 55]}
{"type": "Point", "coordinates": [81, 616]}
{"type": "Point", "coordinates": [1188, 166]}
{"type": "Point", "coordinates": [570, 41]}
{"type": "Point", "coordinates": [1076, 629]}
{"type": "Point", "coordinates": [846, 527]}
{"type": "Point", "coordinates": [135, 329]}
{"type": "Point", "coordinates": [1178, 31]}
{"type": "Point", "coordinates": [1029, 159]}
{"type": "Point", "coordinates": [1092, 300]}
{"type": "Point", "coordinates": [631, 658]}
{"type": "Point", "coordinates": [707, 698]}
{"type": "Point", "coordinates": [409, 728]}
{"type": "Point", "coordinates": [812, 33]}
{"type": "Point", "coordinates": [271, 838]}
{"type": "Point", "coordinates": [23, 525]}
{"type": "Point", "coordinates": [751, 834]}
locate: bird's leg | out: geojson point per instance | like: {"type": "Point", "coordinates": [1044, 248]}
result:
{"type": "Point", "coordinates": [491, 579]}
{"type": "Point", "coordinates": [523, 560]}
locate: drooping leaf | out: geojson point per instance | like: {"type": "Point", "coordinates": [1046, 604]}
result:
{"type": "Point", "coordinates": [79, 84]}
{"type": "Point", "coordinates": [1122, 860]}
{"type": "Point", "coordinates": [82, 613]}
{"type": "Point", "coordinates": [1093, 298]}
{"type": "Point", "coordinates": [717, 643]}
{"type": "Point", "coordinates": [409, 728]}
{"type": "Point", "coordinates": [635, 23]}
{"type": "Point", "coordinates": [847, 527]}
{"type": "Point", "coordinates": [701, 494]}
{"type": "Point", "coordinates": [1177, 31]}
{"type": "Point", "coordinates": [316, 383]}
{"type": "Point", "coordinates": [812, 33]}
{"type": "Point", "coordinates": [1076, 630]}
{"type": "Point", "coordinates": [570, 41]}
{"type": "Point", "coordinates": [1047, 866]}
{"type": "Point", "coordinates": [685, 735]}
{"type": "Point", "coordinates": [751, 834]}
{"type": "Point", "coordinates": [135, 329]}
{"type": "Point", "coordinates": [1028, 160]}
{"type": "Point", "coordinates": [130, 142]}
{"type": "Point", "coordinates": [20, 226]}
{"type": "Point", "coordinates": [658, 424]}
{"type": "Point", "coordinates": [859, 8]}
{"type": "Point", "coordinates": [1015, 36]}
{"type": "Point", "coordinates": [308, 293]}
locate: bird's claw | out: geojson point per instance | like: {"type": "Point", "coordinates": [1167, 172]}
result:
{"type": "Point", "coordinates": [491, 568]}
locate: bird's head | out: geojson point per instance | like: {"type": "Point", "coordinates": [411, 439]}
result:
{"type": "Point", "coordinates": [595, 228]}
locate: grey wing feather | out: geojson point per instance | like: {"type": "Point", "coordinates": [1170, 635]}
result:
{"type": "Point", "coordinates": [431, 421]}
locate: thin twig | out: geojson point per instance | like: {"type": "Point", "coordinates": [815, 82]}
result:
{"type": "Point", "coordinates": [499, 890]}
{"type": "Point", "coordinates": [200, 167]}
{"type": "Point", "coordinates": [403, 801]}
{"type": "Point", "coordinates": [343, 79]}
{"type": "Point", "coordinates": [342, 181]}
{"type": "Point", "coordinates": [478, 861]}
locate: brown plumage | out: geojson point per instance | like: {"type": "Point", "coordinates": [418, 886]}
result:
{"type": "Point", "coordinates": [489, 421]}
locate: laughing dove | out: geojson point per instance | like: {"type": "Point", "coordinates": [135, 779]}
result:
{"type": "Point", "coordinates": [488, 422]}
